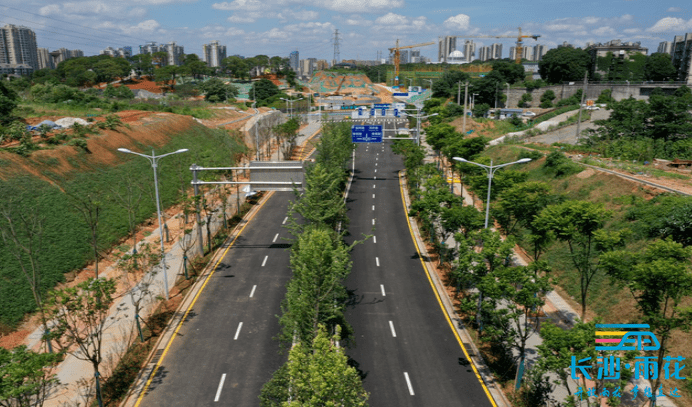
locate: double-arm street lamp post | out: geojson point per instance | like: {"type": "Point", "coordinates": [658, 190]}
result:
{"type": "Point", "coordinates": [153, 159]}
{"type": "Point", "coordinates": [291, 102]}
{"type": "Point", "coordinates": [490, 170]}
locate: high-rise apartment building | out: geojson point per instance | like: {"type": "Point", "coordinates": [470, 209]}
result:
{"type": "Point", "coordinates": [665, 47]}
{"type": "Point", "coordinates": [64, 54]}
{"type": "Point", "coordinates": [445, 47]}
{"type": "Point", "coordinates": [539, 51]}
{"type": "Point", "coordinates": [18, 46]}
{"type": "Point", "coordinates": [44, 59]}
{"type": "Point", "coordinates": [109, 51]}
{"type": "Point", "coordinates": [403, 56]}
{"type": "Point", "coordinates": [213, 53]}
{"type": "Point", "coordinates": [294, 60]}
{"type": "Point", "coordinates": [682, 57]}
{"type": "Point", "coordinates": [149, 48]}
{"type": "Point", "coordinates": [175, 53]}
{"type": "Point", "coordinates": [414, 56]}
{"type": "Point", "coordinates": [495, 51]}
{"type": "Point", "coordinates": [469, 50]}
{"type": "Point", "coordinates": [483, 53]}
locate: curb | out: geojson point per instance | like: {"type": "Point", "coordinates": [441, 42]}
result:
{"type": "Point", "coordinates": [159, 349]}
{"type": "Point", "coordinates": [492, 388]}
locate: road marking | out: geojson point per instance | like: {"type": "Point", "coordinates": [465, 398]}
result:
{"type": "Point", "coordinates": [373, 196]}
{"type": "Point", "coordinates": [373, 186]}
{"type": "Point", "coordinates": [192, 304]}
{"type": "Point", "coordinates": [375, 169]}
{"type": "Point", "coordinates": [285, 219]}
{"type": "Point", "coordinates": [238, 331]}
{"type": "Point", "coordinates": [374, 177]}
{"type": "Point", "coordinates": [408, 383]}
{"type": "Point", "coordinates": [373, 221]}
{"type": "Point", "coordinates": [439, 300]}
{"type": "Point", "coordinates": [275, 237]}
{"type": "Point", "coordinates": [382, 288]}
{"type": "Point", "coordinates": [265, 260]}
{"type": "Point", "coordinates": [374, 239]}
{"type": "Point", "coordinates": [377, 260]}
{"type": "Point", "coordinates": [253, 291]}
{"type": "Point", "coordinates": [373, 207]}
{"type": "Point", "coordinates": [218, 391]}
{"type": "Point", "coordinates": [375, 164]}
{"type": "Point", "coordinates": [391, 326]}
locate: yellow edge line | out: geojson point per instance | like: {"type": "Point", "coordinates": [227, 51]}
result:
{"type": "Point", "coordinates": [439, 300]}
{"type": "Point", "coordinates": [189, 308]}
{"type": "Point", "coordinates": [603, 333]}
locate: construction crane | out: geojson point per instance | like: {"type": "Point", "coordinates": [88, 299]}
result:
{"type": "Point", "coordinates": [395, 50]}
{"type": "Point", "coordinates": [520, 43]}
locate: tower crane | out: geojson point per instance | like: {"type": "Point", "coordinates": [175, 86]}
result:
{"type": "Point", "coordinates": [396, 49]}
{"type": "Point", "coordinates": [520, 37]}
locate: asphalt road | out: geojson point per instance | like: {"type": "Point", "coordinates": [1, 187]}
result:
{"type": "Point", "coordinates": [405, 349]}
{"type": "Point", "coordinates": [214, 360]}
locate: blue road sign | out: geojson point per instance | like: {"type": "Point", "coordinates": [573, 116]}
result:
{"type": "Point", "coordinates": [366, 134]}
{"type": "Point", "coordinates": [400, 94]}
{"type": "Point", "coordinates": [381, 105]}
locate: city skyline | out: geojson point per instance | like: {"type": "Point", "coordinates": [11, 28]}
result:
{"type": "Point", "coordinates": [278, 27]}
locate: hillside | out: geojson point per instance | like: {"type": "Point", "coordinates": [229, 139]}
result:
{"type": "Point", "coordinates": [37, 187]}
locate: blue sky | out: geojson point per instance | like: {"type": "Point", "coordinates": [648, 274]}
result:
{"type": "Point", "coordinates": [277, 27]}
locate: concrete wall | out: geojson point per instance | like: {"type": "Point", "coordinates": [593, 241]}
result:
{"type": "Point", "coordinates": [638, 91]}
{"type": "Point", "coordinates": [263, 123]}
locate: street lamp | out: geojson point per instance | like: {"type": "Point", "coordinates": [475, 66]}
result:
{"type": "Point", "coordinates": [291, 102]}
{"type": "Point", "coordinates": [490, 170]}
{"type": "Point", "coordinates": [410, 82]}
{"type": "Point", "coordinates": [431, 82]}
{"type": "Point", "coordinates": [473, 100]}
{"type": "Point", "coordinates": [153, 159]}
{"type": "Point", "coordinates": [418, 119]}
{"type": "Point", "coordinates": [507, 94]}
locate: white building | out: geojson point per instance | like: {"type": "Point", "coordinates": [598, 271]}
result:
{"type": "Point", "coordinates": [446, 45]}
{"type": "Point", "coordinates": [456, 57]}
{"type": "Point", "coordinates": [18, 46]}
{"type": "Point", "coordinates": [213, 53]}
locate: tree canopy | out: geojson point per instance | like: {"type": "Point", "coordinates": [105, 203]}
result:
{"type": "Point", "coordinates": [564, 64]}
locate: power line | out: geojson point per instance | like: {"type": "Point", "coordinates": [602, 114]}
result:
{"type": "Point", "coordinates": [74, 24]}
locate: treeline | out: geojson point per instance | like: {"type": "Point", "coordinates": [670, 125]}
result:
{"type": "Point", "coordinates": [317, 372]}
{"type": "Point", "coordinates": [500, 299]}
{"type": "Point", "coordinates": [643, 130]}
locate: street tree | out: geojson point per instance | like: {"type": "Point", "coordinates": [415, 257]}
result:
{"type": "Point", "coordinates": [519, 293]}
{"type": "Point", "coordinates": [286, 134]}
{"type": "Point", "coordinates": [579, 224]}
{"type": "Point", "coordinates": [89, 206]}
{"type": "Point", "coordinates": [560, 345]}
{"type": "Point", "coordinates": [140, 287]}
{"type": "Point", "coordinates": [21, 228]}
{"type": "Point", "coordinates": [315, 294]}
{"type": "Point", "coordinates": [26, 377]}
{"type": "Point", "coordinates": [520, 203]}
{"type": "Point", "coordinates": [321, 202]}
{"type": "Point", "coordinates": [316, 374]}
{"type": "Point", "coordinates": [660, 279]}
{"type": "Point", "coordinates": [80, 317]}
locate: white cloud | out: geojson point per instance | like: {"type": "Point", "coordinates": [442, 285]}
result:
{"type": "Point", "coordinates": [675, 10]}
{"type": "Point", "coordinates": [564, 27]}
{"type": "Point", "coordinates": [244, 5]}
{"type": "Point", "coordinates": [459, 22]}
{"type": "Point", "coordinates": [392, 19]}
{"type": "Point", "coordinates": [604, 31]}
{"type": "Point", "coordinates": [632, 30]}
{"type": "Point", "coordinates": [137, 12]}
{"type": "Point", "coordinates": [48, 10]}
{"type": "Point", "coordinates": [300, 15]}
{"type": "Point", "coordinates": [670, 24]}
{"type": "Point", "coordinates": [147, 25]}
{"type": "Point", "coordinates": [358, 6]}
{"type": "Point", "coordinates": [356, 21]}
{"type": "Point", "coordinates": [237, 19]}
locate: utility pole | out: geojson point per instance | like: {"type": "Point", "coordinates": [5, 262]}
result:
{"type": "Point", "coordinates": [581, 103]}
{"type": "Point", "coordinates": [337, 55]}
{"type": "Point", "coordinates": [459, 93]}
{"type": "Point", "coordinates": [466, 97]}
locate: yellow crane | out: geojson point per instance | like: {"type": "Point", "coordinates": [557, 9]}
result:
{"type": "Point", "coordinates": [520, 43]}
{"type": "Point", "coordinates": [396, 49]}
